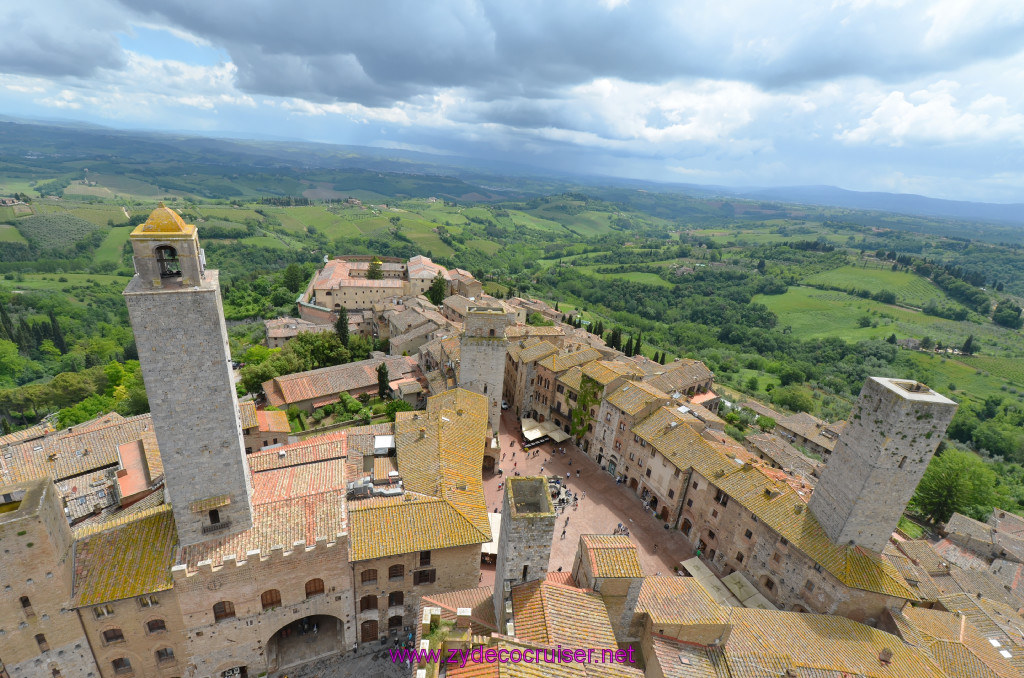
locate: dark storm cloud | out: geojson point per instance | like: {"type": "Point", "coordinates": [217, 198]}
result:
{"type": "Point", "coordinates": [42, 39]}
{"type": "Point", "coordinates": [390, 50]}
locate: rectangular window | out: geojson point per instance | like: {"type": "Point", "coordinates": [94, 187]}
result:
{"type": "Point", "coordinates": [739, 557]}
{"type": "Point", "coordinates": [622, 426]}
{"type": "Point", "coordinates": [714, 513]}
{"type": "Point", "coordinates": [424, 577]}
{"type": "Point", "coordinates": [689, 503]}
{"type": "Point", "coordinates": [103, 611]}
{"type": "Point", "coordinates": [122, 665]}
{"type": "Point", "coordinates": [671, 494]}
{"type": "Point", "coordinates": [648, 474]}
{"type": "Point", "coordinates": [776, 558]}
{"type": "Point", "coordinates": [817, 567]}
{"type": "Point", "coordinates": [695, 484]}
{"type": "Point", "coordinates": [559, 389]}
{"type": "Point", "coordinates": [711, 534]}
{"type": "Point", "coordinates": [721, 497]}
{"type": "Point", "coordinates": [424, 558]}
{"type": "Point", "coordinates": [676, 474]}
{"type": "Point", "coordinates": [783, 541]}
{"type": "Point", "coordinates": [148, 601]}
{"type": "Point", "coordinates": [748, 534]}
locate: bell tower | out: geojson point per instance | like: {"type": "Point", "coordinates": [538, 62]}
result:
{"type": "Point", "coordinates": [176, 313]}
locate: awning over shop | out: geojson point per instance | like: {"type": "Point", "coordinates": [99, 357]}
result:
{"type": "Point", "coordinates": [533, 431]}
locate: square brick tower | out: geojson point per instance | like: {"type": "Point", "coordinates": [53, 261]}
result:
{"type": "Point", "coordinates": [879, 460]}
{"type": "Point", "coordinates": [178, 320]}
{"type": "Point", "coordinates": [524, 543]}
{"type": "Point", "coordinates": [483, 351]}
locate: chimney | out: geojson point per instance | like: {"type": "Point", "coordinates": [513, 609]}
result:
{"type": "Point", "coordinates": [423, 433]}
{"type": "Point", "coordinates": [885, 656]}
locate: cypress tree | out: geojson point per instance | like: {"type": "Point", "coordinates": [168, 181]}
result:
{"type": "Point", "coordinates": [629, 347]}
{"type": "Point", "coordinates": [341, 326]}
{"type": "Point", "coordinates": [637, 346]}
{"type": "Point", "coordinates": [6, 321]}
{"type": "Point", "coordinates": [56, 334]}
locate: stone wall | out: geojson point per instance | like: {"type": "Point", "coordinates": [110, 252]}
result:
{"type": "Point", "coordinates": [138, 620]}
{"type": "Point", "coordinates": [524, 545]}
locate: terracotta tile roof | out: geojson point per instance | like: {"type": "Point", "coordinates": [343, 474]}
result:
{"type": "Point", "coordinates": [990, 618]}
{"type": "Point", "coordinates": [30, 433]}
{"type": "Point", "coordinates": [635, 396]}
{"type": "Point", "coordinates": [330, 381]}
{"type": "Point", "coordinates": [562, 361]}
{"type": "Point", "coordinates": [816, 645]}
{"type": "Point", "coordinates": [479, 600]}
{"type": "Point", "coordinates": [782, 453]}
{"type": "Point", "coordinates": [572, 378]}
{"type": "Point", "coordinates": [680, 375]}
{"type": "Point", "coordinates": [290, 482]}
{"type": "Point", "coordinates": [611, 555]}
{"type": "Point", "coordinates": [984, 584]}
{"type": "Point", "coordinates": [77, 450]}
{"type": "Point", "coordinates": [548, 613]}
{"type": "Point", "coordinates": [331, 445]}
{"type": "Point", "coordinates": [383, 467]}
{"type": "Point", "coordinates": [813, 429]}
{"type": "Point", "coordinates": [273, 421]}
{"type": "Point", "coordinates": [389, 526]}
{"type": "Point", "coordinates": [921, 553]}
{"type": "Point", "coordinates": [677, 659]}
{"type": "Point", "coordinates": [247, 412]}
{"type": "Point", "coordinates": [439, 454]}
{"type": "Point", "coordinates": [605, 372]}
{"type": "Point", "coordinates": [918, 579]}
{"type": "Point", "coordinates": [969, 527]}
{"type": "Point", "coordinates": [278, 524]}
{"type": "Point", "coordinates": [762, 410]}
{"type": "Point", "coordinates": [125, 558]}
{"type": "Point", "coordinates": [953, 643]}
{"type": "Point", "coordinates": [679, 600]}
{"type": "Point", "coordinates": [520, 330]}
{"type": "Point", "coordinates": [538, 351]}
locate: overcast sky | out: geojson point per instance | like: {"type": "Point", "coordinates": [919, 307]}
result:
{"type": "Point", "coordinates": [894, 95]}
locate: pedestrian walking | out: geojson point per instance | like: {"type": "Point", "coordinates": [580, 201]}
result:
{"type": "Point", "coordinates": [577, 473]}
{"type": "Point", "coordinates": [655, 548]}
{"type": "Point", "coordinates": [563, 534]}
{"type": "Point", "coordinates": [566, 475]}
{"type": "Point", "coordinates": [503, 455]}
{"type": "Point", "coordinates": [542, 470]}
{"type": "Point", "coordinates": [585, 496]}
{"type": "Point", "coordinates": [567, 520]}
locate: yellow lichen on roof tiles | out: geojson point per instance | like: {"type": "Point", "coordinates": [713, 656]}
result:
{"type": "Point", "coordinates": [679, 600]}
{"type": "Point", "coordinates": [560, 362]}
{"type": "Point", "coordinates": [634, 396]}
{"type": "Point", "coordinates": [389, 526]}
{"type": "Point", "coordinates": [538, 351]}
{"type": "Point", "coordinates": [954, 643]}
{"type": "Point", "coordinates": [125, 559]}
{"type": "Point", "coordinates": [247, 411]}
{"type": "Point", "coordinates": [605, 372]}
{"type": "Point", "coordinates": [611, 555]}
{"type": "Point", "coordinates": [817, 642]}
{"type": "Point", "coordinates": [549, 613]}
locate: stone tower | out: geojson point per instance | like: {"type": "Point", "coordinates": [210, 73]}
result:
{"type": "Point", "coordinates": [178, 320]}
{"type": "Point", "coordinates": [482, 356]}
{"type": "Point", "coordinates": [524, 543]}
{"type": "Point", "coordinates": [879, 460]}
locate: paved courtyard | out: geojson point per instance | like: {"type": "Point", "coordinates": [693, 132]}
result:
{"type": "Point", "coordinates": [349, 666]}
{"type": "Point", "coordinates": [606, 505]}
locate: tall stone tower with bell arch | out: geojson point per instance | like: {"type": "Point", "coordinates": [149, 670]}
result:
{"type": "Point", "coordinates": [176, 313]}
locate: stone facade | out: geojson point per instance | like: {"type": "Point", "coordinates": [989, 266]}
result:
{"type": "Point", "coordinates": [482, 361]}
{"type": "Point", "coordinates": [879, 460]}
{"type": "Point", "coordinates": [266, 594]}
{"type": "Point", "coordinates": [39, 634]}
{"type": "Point", "coordinates": [186, 362]}
{"type": "Point", "coordinates": [147, 632]}
{"type": "Point", "coordinates": [524, 544]}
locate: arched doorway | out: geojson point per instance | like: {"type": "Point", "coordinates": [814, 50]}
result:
{"type": "Point", "coordinates": [687, 526]}
{"type": "Point", "coordinates": [633, 484]}
{"type": "Point", "coordinates": [488, 464]}
{"type": "Point", "coordinates": [368, 631]}
{"type": "Point", "coordinates": [304, 640]}
{"type": "Point", "coordinates": [664, 514]}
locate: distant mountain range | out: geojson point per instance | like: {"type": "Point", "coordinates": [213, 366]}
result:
{"type": "Point", "coordinates": [82, 140]}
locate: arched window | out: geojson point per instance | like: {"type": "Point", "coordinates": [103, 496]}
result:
{"type": "Point", "coordinates": [112, 636]}
{"type": "Point", "coordinates": [223, 610]}
{"type": "Point", "coordinates": [271, 599]}
{"type": "Point", "coordinates": [25, 602]}
{"type": "Point", "coordinates": [492, 333]}
{"type": "Point", "coordinates": [369, 577]}
{"type": "Point", "coordinates": [156, 626]}
{"type": "Point", "coordinates": [396, 572]}
{"type": "Point", "coordinates": [396, 598]}
{"type": "Point", "coordinates": [164, 655]}
{"type": "Point", "coordinates": [367, 603]}
{"type": "Point", "coordinates": [395, 622]}
{"type": "Point", "coordinates": [41, 642]}
{"type": "Point", "coordinates": [121, 665]}
{"type": "Point", "coordinates": [167, 258]}
{"type": "Point", "coordinates": [314, 587]}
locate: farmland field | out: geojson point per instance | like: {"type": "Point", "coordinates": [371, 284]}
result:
{"type": "Point", "coordinates": [111, 247]}
{"type": "Point", "coordinates": [909, 288]}
{"type": "Point", "coordinates": [9, 233]}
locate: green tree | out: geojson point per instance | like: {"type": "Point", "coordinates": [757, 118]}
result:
{"type": "Point", "coordinates": [293, 278]}
{"type": "Point", "coordinates": [891, 338]}
{"type": "Point", "coordinates": [753, 384]}
{"type": "Point", "coordinates": [374, 272]}
{"type": "Point", "coordinates": [382, 380]}
{"type": "Point", "coordinates": [396, 406]}
{"type": "Point", "coordinates": [766, 423]}
{"type": "Point", "coordinates": [956, 481]}
{"type": "Point", "coordinates": [791, 375]}
{"type": "Point", "coordinates": [537, 320]}
{"type": "Point", "coordinates": [341, 326]}
{"type": "Point", "coordinates": [438, 289]}
{"type": "Point", "coordinates": [590, 395]}
{"type": "Point", "coordinates": [968, 347]}
{"type": "Point", "coordinates": [6, 426]}
{"type": "Point", "coordinates": [318, 349]}
{"type": "Point", "coordinates": [792, 397]}
{"type": "Point", "coordinates": [638, 346]}
{"type": "Point", "coordinates": [628, 350]}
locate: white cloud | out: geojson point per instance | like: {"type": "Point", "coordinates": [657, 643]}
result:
{"type": "Point", "coordinates": [931, 115]}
